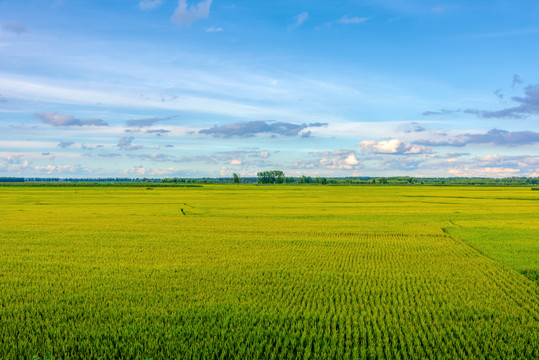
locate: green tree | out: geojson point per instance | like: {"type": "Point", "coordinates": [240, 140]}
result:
{"type": "Point", "coordinates": [290, 180]}
{"type": "Point", "coordinates": [236, 178]}
{"type": "Point", "coordinates": [271, 177]}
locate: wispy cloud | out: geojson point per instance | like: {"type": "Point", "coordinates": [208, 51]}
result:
{"type": "Point", "coordinates": [516, 80]}
{"type": "Point", "coordinates": [494, 136]}
{"type": "Point", "coordinates": [352, 20]}
{"type": "Point", "coordinates": [440, 112]}
{"type": "Point", "coordinates": [214, 29]}
{"type": "Point", "coordinates": [146, 122]}
{"type": "Point", "coordinates": [65, 144]}
{"type": "Point", "coordinates": [299, 19]}
{"type": "Point", "coordinates": [253, 128]}
{"type": "Point", "coordinates": [186, 15]}
{"type": "Point", "coordinates": [55, 119]}
{"type": "Point", "coordinates": [504, 137]}
{"type": "Point", "coordinates": [149, 4]}
{"type": "Point", "coordinates": [157, 132]}
{"type": "Point", "coordinates": [15, 27]}
{"type": "Point", "coordinates": [507, 33]}
{"type": "Point", "coordinates": [528, 105]}
{"type": "Point", "coordinates": [210, 102]}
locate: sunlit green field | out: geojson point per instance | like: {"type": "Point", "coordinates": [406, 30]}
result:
{"type": "Point", "coordinates": [280, 272]}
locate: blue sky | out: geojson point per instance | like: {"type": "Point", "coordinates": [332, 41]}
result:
{"type": "Point", "coordinates": [163, 88]}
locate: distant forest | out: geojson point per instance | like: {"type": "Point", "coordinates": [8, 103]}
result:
{"type": "Point", "coordinates": [276, 177]}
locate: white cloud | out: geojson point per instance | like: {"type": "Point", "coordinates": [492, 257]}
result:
{"type": "Point", "coordinates": [351, 159]}
{"type": "Point", "coordinates": [236, 162]}
{"type": "Point", "coordinates": [213, 29]}
{"type": "Point", "coordinates": [140, 170]}
{"type": "Point", "coordinates": [352, 20]}
{"type": "Point", "coordinates": [186, 15]}
{"type": "Point", "coordinates": [340, 159]}
{"type": "Point", "coordinates": [498, 172]}
{"type": "Point", "coordinates": [59, 169]}
{"type": "Point", "coordinates": [334, 160]}
{"type": "Point", "coordinates": [149, 4]}
{"type": "Point", "coordinates": [224, 171]}
{"type": "Point", "coordinates": [393, 146]}
{"type": "Point", "coordinates": [27, 144]}
{"type": "Point", "coordinates": [51, 90]}
{"type": "Point", "coordinates": [299, 19]}
{"type": "Point", "coordinates": [55, 119]}
{"type": "Point", "coordinates": [264, 154]}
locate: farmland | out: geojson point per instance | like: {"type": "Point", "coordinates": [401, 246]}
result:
{"type": "Point", "coordinates": [226, 271]}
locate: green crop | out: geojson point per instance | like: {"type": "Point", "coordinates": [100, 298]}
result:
{"type": "Point", "coordinates": [277, 272]}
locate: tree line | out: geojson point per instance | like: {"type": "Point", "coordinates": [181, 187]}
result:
{"type": "Point", "coordinates": [279, 177]}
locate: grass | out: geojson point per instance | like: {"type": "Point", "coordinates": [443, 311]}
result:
{"type": "Point", "coordinates": [268, 272]}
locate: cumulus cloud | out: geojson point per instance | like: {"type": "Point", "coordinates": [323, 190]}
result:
{"type": "Point", "coordinates": [253, 128]}
{"type": "Point", "coordinates": [340, 159]}
{"type": "Point", "coordinates": [352, 20]}
{"type": "Point", "coordinates": [125, 144]}
{"type": "Point", "coordinates": [186, 15]}
{"type": "Point", "coordinates": [149, 4]}
{"type": "Point", "coordinates": [494, 136]}
{"type": "Point", "coordinates": [15, 27]}
{"type": "Point", "coordinates": [393, 146]}
{"type": "Point", "coordinates": [351, 160]}
{"type": "Point", "coordinates": [334, 160]}
{"type": "Point", "coordinates": [55, 119]}
{"type": "Point", "coordinates": [13, 160]}
{"type": "Point", "coordinates": [65, 144]}
{"type": "Point", "coordinates": [495, 165]}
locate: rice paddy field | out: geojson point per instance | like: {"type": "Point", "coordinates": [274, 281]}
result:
{"type": "Point", "coordinates": [269, 272]}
